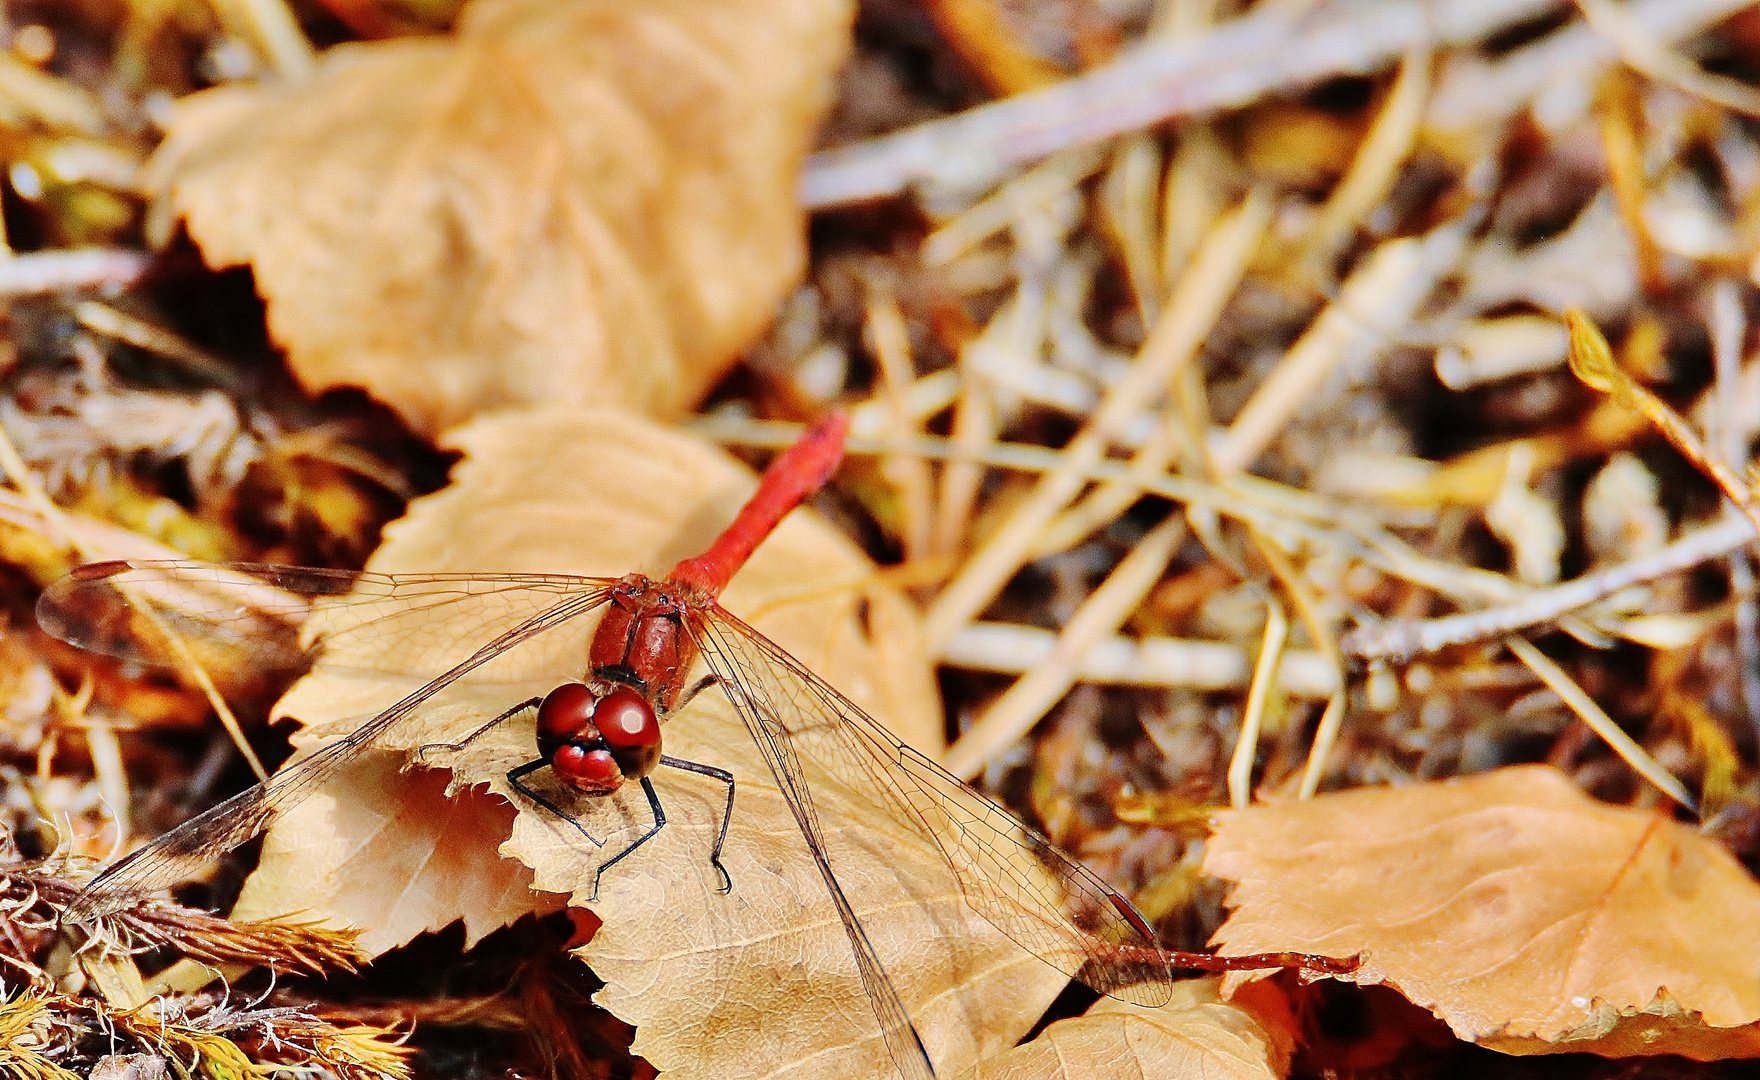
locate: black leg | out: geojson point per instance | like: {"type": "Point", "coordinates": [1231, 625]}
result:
{"type": "Point", "coordinates": [513, 778]}
{"type": "Point", "coordinates": [659, 823]}
{"type": "Point", "coordinates": [727, 815]}
{"type": "Point", "coordinates": [422, 751]}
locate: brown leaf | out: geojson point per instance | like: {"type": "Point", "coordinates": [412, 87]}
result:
{"type": "Point", "coordinates": [424, 860]}
{"type": "Point", "coordinates": [564, 203]}
{"type": "Point", "coordinates": [750, 983]}
{"type": "Point", "coordinates": [1196, 1034]}
{"type": "Point", "coordinates": [1527, 916]}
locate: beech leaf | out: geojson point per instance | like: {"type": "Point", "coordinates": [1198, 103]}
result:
{"type": "Point", "coordinates": [756, 982]}
{"type": "Point", "coordinates": [1527, 916]}
{"type": "Point", "coordinates": [1196, 1034]}
{"type": "Point", "coordinates": [573, 202]}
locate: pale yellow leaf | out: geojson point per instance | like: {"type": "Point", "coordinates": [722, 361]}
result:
{"type": "Point", "coordinates": [1526, 915]}
{"type": "Point", "coordinates": [570, 202]}
{"type": "Point", "coordinates": [756, 982]}
{"type": "Point", "coordinates": [1197, 1034]}
{"type": "Point", "coordinates": [426, 860]}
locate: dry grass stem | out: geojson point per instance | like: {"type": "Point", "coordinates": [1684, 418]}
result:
{"type": "Point", "coordinates": [907, 472]}
{"type": "Point", "coordinates": [1592, 361]}
{"type": "Point", "coordinates": [1196, 303]}
{"type": "Point", "coordinates": [50, 271]}
{"type": "Point", "coordinates": [272, 26]}
{"type": "Point", "coordinates": [980, 33]}
{"type": "Point", "coordinates": [994, 213]}
{"type": "Point", "coordinates": [1646, 52]}
{"type": "Point", "coordinates": [1373, 307]}
{"type": "Point", "coordinates": [1240, 765]}
{"type": "Point", "coordinates": [1579, 702]}
{"type": "Point", "coordinates": [1107, 607]}
{"type": "Point", "coordinates": [1206, 666]}
{"type": "Point", "coordinates": [1377, 163]}
{"type": "Point", "coordinates": [974, 431]}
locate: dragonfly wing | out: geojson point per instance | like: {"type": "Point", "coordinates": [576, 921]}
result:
{"type": "Point", "coordinates": [280, 618]}
{"type": "Point", "coordinates": [1048, 903]}
{"type": "Point", "coordinates": [177, 854]}
{"type": "Point", "coordinates": [758, 703]}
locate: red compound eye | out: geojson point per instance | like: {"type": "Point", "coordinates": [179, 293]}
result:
{"type": "Point", "coordinates": [626, 721]}
{"type": "Point", "coordinates": [565, 712]}
{"type": "Point", "coordinates": [593, 770]}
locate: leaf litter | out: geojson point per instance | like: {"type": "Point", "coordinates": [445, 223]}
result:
{"type": "Point", "coordinates": [1373, 433]}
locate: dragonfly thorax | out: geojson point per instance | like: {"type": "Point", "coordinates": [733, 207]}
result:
{"type": "Point", "coordinates": [597, 739]}
{"type": "Point", "coordinates": [643, 638]}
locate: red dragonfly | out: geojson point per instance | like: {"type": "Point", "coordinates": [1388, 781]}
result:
{"type": "Point", "coordinates": [600, 733]}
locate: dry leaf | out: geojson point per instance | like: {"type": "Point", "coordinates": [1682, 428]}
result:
{"type": "Point", "coordinates": [582, 202]}
{"type": "Point", "coordinates": [1529, 917]}
{"type": "Point", "coordinates": [1196, 1034]}
{"type": "Point", "coordinates": [758, 982]}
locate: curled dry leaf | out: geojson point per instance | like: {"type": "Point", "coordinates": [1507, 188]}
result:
{"type": "Point", "coordinates": [757, 982]}
{"type": "Point", "coordinates": [1529, 917]}
{"type": "Point", "coordinates": [1196, 1034]}
{"type": "Point", "coordinates": [582, 202]}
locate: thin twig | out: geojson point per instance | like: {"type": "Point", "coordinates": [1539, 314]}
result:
{"type": "Point", "coordinates": [1400, 640]}
{"type": "Point", "coordinates": [1235, 63]}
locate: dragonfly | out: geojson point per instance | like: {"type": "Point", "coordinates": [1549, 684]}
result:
{"type": "Point", "coordinates": [603, 732]}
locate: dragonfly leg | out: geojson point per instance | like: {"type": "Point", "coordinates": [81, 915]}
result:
{"type": "Point", "coordinates": [726, 815]}
{"type": "Point", "coordinates": [514, 777]}
{"type": "Point", "coordinates": [659, 823]}
{"type": "Point", "coordinates": [693, 690]}
{"type": "Point", "coordinates": [422, 751]}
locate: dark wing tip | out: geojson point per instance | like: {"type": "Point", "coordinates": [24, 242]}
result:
{"type": "Point", "coordinates": [98, 570]}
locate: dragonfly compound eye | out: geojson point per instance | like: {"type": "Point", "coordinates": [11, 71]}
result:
{"type": "Point", "coordinates": [565, 713]}
{"type": "Point", "coordinates": [630, 728]}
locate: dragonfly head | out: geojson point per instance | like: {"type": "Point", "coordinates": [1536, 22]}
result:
{"type": "Point", "coordinates": [594, 742]}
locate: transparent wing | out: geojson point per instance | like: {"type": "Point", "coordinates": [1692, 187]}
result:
{"type": "Point", "coordinates": [181, 852]}
{"type": "Point", "coordinates": [1045, 901]}
{"type": "Point", "coordinates": [756, 701]}
{"type": "Point", "coordinates": [239, 616]}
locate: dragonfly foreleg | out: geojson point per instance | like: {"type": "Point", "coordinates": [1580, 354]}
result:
{"type": "Point", "coordinates": [659, 823]}
{"type": "Point", "coordinates": [422, 750]}
{"type": "Point", "coordinates": [726, 815]}
{"type": "Point", "coordinates": [514, 777]}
